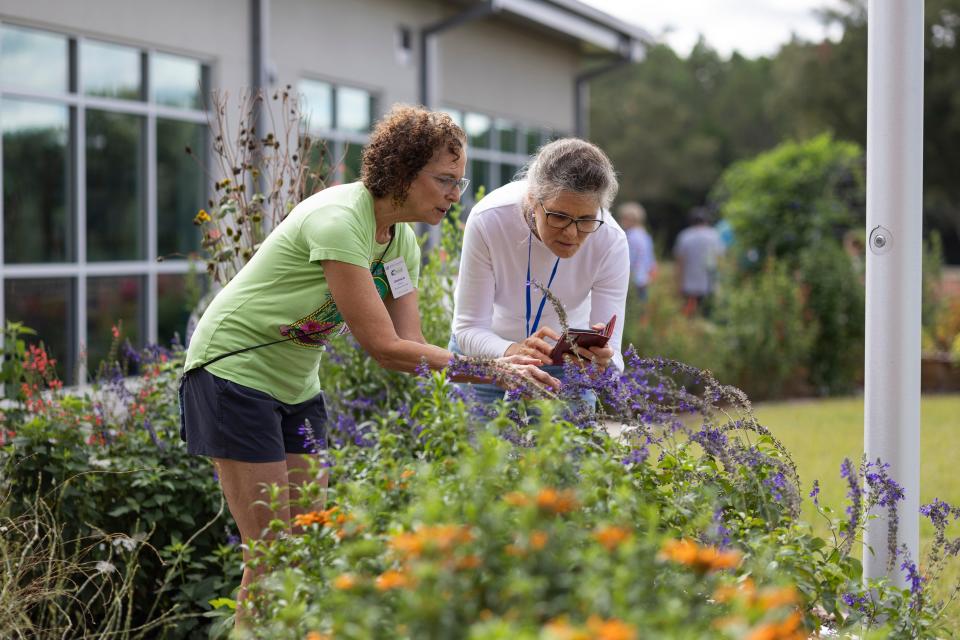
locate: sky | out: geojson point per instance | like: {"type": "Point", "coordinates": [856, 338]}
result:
{"type": "Point", "coordinates": [752, 27]}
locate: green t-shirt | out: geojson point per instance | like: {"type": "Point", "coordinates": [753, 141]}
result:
{"type": "Point", "coordinates": [283, 290]}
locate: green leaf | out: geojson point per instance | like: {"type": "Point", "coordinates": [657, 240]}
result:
{"type": "Point", "coordinates": [223, 603]}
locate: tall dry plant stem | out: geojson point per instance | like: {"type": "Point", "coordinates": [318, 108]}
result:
{"type": "Point", "coordinates": [257, 176]}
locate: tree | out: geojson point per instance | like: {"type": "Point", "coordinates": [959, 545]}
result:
{"type": "Point", "coordinates": [671, 125]}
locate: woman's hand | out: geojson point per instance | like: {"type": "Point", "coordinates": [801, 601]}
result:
{"type": "Point", "coordinates": [526, 367]}
{"type": "Point", "coordinates": [535, 346]}
{"type": "Point", "coordinates": [600, 356]}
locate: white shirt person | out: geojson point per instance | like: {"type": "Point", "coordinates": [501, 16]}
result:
{"type": "Point", "coordinates": [554, 225]}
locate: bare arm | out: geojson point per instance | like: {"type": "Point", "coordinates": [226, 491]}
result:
{"type": "Point", "coordinates": [405, 314]}
{"type": "Point", "coordinates": [393, 337]}
{"type": "Point", "coordinates": [372, 325]}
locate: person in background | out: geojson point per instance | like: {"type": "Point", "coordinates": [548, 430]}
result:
{"type": "Point", "coordinates": [551, 226]}
{"type": "Point", "coordinates": [344, 257]}
{"type": "Point", "coordinates": [643, 262]}
{"type": "Point", "coordinates": [697, 250]}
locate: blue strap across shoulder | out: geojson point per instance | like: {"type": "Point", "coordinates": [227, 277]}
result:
{"type": "Point", "coordinates": [543, 299]}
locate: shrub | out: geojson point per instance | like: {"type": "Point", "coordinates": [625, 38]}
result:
{"type": "Point", "coordinates": [658, 327]}
{"type": "Point", "coordinates": [109, 465]}
{"type": "Point", "coordinates": [535, 524]}
{"type": "Point", "coordinates": [835, 297]}
{"type": "Point", "coordinates": [798, 195]}
{"type": "Point", "coordinates": [793, 204]}
{"type": "Point", "coordinates": [767, 333]}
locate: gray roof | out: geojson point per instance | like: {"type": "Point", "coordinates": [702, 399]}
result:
{"type": "Point", "coordinates": [579, 21]}
{"type": "Point", "coordinates": [592, 13]}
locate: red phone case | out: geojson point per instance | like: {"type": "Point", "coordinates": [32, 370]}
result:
{"type": "Point", "coordinates": [582, 338]}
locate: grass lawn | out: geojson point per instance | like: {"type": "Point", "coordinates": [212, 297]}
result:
{"type": "Point", "coordinates": [821, 433]}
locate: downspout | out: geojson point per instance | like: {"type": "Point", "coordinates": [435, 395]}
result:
{"type": "Point", "coordinates": [260, 79]}
{"type": "Point", "coordinates": [629, 53]}
{"type": "Point", "coordinates": [260, 46]}
{"type": "Point", "coordinates": [428, 80]}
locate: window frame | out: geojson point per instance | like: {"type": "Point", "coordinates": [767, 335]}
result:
{"type": "Point", "coordinates": [77, 103]}
{"type": "Point", "coordinates": [335, 139]}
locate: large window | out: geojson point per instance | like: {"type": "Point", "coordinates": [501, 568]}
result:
{"type": "Point", "coordinates": [36, 178]}
{"type": "Point", "coordinates": [499, 148]}
{"type": "Point", "coordinates": [340, 119]}
{"type": "Point", "coordinates": [98, 191]}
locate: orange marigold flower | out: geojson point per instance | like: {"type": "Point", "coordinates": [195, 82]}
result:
{"type": "Point", "coordinates": [788, 629]}
{"type": "Point", "coordinates": [560, 629]}
{"type": "Point", "coordinates": [469, 562]}
{"type": "Point", "coordinates": [345, 581]}
{"type": "Point", "coordinates": [727, 621]}
{"type": "Point", "coordinates": [516, 499]}
{"type": "Point", "coordinates": [441, 537]}
{"type": "Point", "coordinates": [307, 519]}
{"type": "Point", "coordinates": [446, 536]}
{"type": "Point", "coordinates": [514, 551]}
{"type": "Point", "coordinates": [318, 517]}
{"type": "Point", "coordinates": [773, 598]}
{"type": "Point", "coordinates": [538, 540]}
{"type": "Point", "coordinates": [611, 537]}
{"type": "Point", "coordinates": [763, 632]}
{"type": "Point", "coordinates": [612, 629]}
{"type": "Point", "coordinates": [713, 559]}
{"type": "Point", "coordinates": [316, 635]}
{"type": "Point", "coordinates": [557, 502]}
{"type": "Point", "coordinates": [700, 558]}
{"type": "Point", "coordinates": [682, 551]}
{"type": "Point", "coordinates": [392, 580]}
{"type": "Point", "coordinates": [746, 591]}
{"type": "Point", "coordinates": [407, 473]}
{"type": "Point", "coordinates": [409, 544]}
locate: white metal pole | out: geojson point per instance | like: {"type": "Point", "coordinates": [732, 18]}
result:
{"type": "Point", "coordinates": [894, 226]}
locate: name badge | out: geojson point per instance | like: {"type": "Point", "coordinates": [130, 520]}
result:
{"type": "Point", "coordinates": [398, 277]}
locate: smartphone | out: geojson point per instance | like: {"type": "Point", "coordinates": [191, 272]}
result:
{"type": "Point", "coordinates": [585, 338]}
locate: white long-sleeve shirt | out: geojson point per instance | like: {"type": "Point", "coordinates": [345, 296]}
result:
{"type": "Point", "coordinates": [490, 301]}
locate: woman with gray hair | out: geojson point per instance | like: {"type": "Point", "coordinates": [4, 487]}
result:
{"type": "Point", "coordinates": [551, 226]}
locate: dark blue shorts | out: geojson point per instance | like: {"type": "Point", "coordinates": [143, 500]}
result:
{"type": "Point", "coordinates": [223, 419]}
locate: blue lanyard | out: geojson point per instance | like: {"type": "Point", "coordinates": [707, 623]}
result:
{"type": "Point", "coordinates": [543, 299]}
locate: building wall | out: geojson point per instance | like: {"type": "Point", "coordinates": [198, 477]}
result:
{"type": "Point", "coordinates": [216, 31]}
{"type": "Point", "coordinates": [487, 65]}
{"type": "Point", "coordinates": [348, 43]}
{"type": "Point", "coordinates": [505, 70]}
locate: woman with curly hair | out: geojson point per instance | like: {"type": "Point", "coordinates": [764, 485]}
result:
{"type": "Point", "coordinates": [345, 256]}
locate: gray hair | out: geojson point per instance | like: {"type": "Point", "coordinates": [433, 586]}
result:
{"type": "Point", "coordinates": [632, 212]}
{"type": "Point", "coordinates": [573, 165]}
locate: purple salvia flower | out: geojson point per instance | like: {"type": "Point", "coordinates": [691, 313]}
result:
{"type": "Point", "coordinates": [636, 456]}
{"type": "Point", "coordinates": [153, 433]}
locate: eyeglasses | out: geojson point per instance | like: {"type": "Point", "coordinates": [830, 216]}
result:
{"type": "Point", "coordinates": [562, 221]}
{"type": "Point", "coordinates": [449, 183]}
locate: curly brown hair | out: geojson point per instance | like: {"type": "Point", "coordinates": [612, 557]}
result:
{"type": "Point", "coordinates": [402, 144]}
